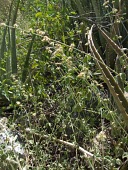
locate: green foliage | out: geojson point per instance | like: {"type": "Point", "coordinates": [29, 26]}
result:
{"type": "Point", "coordinates": [57, 101]}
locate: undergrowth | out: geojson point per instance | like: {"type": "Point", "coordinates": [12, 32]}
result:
{"type": "Point", "coordinates": [62, 114]}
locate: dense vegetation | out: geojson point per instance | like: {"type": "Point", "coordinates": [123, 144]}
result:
{"type": "Point", "coordinates": [63, 84]}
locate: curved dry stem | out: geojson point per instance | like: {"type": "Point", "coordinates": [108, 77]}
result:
{"type": "Point", "coordinates": [114, 88]}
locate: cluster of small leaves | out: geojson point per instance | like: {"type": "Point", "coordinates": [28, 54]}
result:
{"type": "Point", "coordinates": [63, 95]}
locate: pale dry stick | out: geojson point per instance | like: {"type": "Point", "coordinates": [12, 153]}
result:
{"type": "Point", "coordinates": [86, 154]}
{"type": "Point", "coordinates": [13, 162]}
{"type": "Point", "coordinates": [73, 146]}
{"type": "Point", "coordinates": [18, 163]}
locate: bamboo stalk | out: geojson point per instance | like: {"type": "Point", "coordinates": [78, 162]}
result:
{"type": "Point", "coordinates": [13, 40]}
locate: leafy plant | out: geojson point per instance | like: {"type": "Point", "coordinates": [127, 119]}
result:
{"type": "Point", "coordinates": [57, 105]}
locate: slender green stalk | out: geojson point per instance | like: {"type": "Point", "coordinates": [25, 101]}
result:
{"type": "Point", "coordinates": [119, 70]}
{"type": "Point", "coordinates": [26, 64]}
{"type": "Point", "coordinates": [80, 7]}
{"type": "Point", "coordinates": [13, 40]}
{"type": "Point", "coordinates": [3, 44]}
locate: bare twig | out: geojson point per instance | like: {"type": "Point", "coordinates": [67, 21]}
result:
{"type": "Point", "coordinates": [86, 154]}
